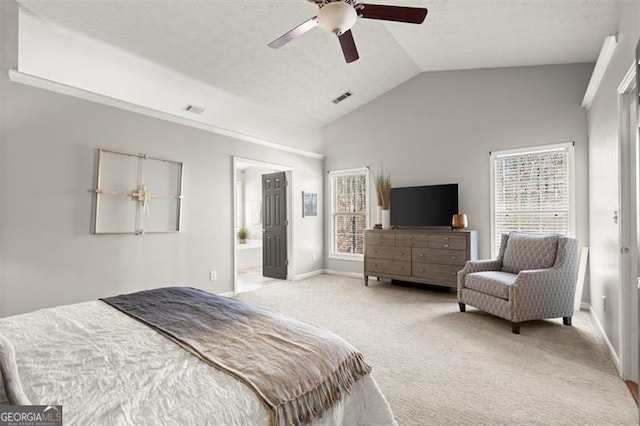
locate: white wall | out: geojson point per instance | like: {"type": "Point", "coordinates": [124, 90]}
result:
{"type": "Point", "coordinates": [603, 178]}
{"type": "Point", "coordinates": [439, 127]}
{"type": "Point", "coordinates": [47, 170]}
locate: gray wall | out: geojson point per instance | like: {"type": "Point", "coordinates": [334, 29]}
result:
{"type": "Point", "coordinates": [47, 170]}
{"type": "Point", "coordinates": [603, 128]}
{"type": "Point", "coordinates": [439, 127]}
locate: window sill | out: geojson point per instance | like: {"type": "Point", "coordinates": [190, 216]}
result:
{"type": "Point", "coordinates": [351, 257]}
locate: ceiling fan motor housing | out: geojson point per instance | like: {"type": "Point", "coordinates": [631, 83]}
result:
{"type": "Point", "coordinates": [337, 17]}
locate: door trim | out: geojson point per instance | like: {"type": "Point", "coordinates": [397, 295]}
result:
{"type": "Point", "coordinates": [291, 229]}
{"type": "Point", "coordinates": [627, 232]}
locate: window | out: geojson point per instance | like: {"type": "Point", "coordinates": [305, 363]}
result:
{"type": "Point", "coordinates": [349, 212]}
{"type": "Point", "coordinates": [532, 191]}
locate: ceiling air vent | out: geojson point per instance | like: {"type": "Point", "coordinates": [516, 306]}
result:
{"type": "Point", "coordinates": [342, 97]}
{"type": "Point", "coordinates": [194, 109]}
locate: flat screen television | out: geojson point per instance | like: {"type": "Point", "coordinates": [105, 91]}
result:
{"type": "Point", "coordinates": [431, 205]}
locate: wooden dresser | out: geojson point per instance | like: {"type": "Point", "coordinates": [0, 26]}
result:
{"type": "Point", "coordinates": [425, 256]}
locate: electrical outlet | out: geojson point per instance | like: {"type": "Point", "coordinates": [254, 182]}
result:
{"type": "Point", "coordinates": [604, 303]}
{"type": "Point", "coordinates": [213, 275]}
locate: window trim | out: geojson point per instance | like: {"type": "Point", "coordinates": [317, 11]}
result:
{"type": "Point", "coordinates": [569, 146]}
{"type": "Point", "coordinates": [332, 254]}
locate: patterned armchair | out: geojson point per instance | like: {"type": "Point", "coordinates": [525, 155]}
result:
{"type": "Point", "coordinates": [534, 277]}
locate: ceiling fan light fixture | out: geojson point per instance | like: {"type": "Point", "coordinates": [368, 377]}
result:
{"type": "Point", "coordinates": [337, 17]}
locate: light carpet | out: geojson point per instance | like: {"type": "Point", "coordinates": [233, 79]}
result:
{"type": "Point", "coordinates": [438, 366]}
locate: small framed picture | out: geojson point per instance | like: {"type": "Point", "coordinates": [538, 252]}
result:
{"type": "Point", "coordinates": [309, 204]}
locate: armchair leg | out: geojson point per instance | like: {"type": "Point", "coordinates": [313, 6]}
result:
{"type": "Point", "coordinates": [515, 328]}
{"type": "Point", "coordinates": [463, 307]}
{"type": "Point", "coordinates": [566, 320]}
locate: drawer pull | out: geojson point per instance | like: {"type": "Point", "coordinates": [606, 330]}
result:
{"type": "Point", "coordinates": [453, 257]}
{"type": "Point", "coordinates": [446, 238]}
{"type": "Point", "coordinates": [421, 254]}
{"type": "Point", "coordinates": [446, 245]}
{"type": "Point", "coordinates": [453, 273]}
{"type": "Point", "coordinates": [421, 269]}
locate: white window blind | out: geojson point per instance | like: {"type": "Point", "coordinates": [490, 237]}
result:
{"type": "Point", "coordinates": [349, 212]}
{"type": "Point", "coordinates": [532, 191]}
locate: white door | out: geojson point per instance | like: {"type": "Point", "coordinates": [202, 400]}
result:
{"type": "Point", "coordinates": [628, 230]}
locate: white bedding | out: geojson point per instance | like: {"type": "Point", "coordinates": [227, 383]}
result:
{"type": "Point", "coordinates": [108, 369]}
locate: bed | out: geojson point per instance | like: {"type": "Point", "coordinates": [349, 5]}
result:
{"type": "Point", "coordinates": [107, 365]}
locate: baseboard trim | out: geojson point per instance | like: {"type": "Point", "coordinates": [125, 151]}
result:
{"type": "Point", "coordinates": [612, 351]}
{"type": "Point", "coordinates": [584, 306]}
{"type": "Point", "coordinates": [344, 273]}
{"type": "Point", "coordinates": [227, 294]}
{"type": "Point", "coordinates": [308, 275]}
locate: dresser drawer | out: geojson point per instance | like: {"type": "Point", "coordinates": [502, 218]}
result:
{"type": "Point", "coordinates": [385, 252]}
{"type": "Point", "coordinates": [447, 241]}
{"type": "Point", "coordinates": [388, 267]}
{"type": "Point", "coordinates": [441, 256]}
{"type": "Point", "coordinates": [436, 274]}
{"type": "Point", "coordinates": [380, 238]}
{"type": "Point", "coordinates": [407, 239]}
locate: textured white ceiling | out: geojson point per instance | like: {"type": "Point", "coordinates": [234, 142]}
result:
{"type": "Point", "coordinates": [224, 44]}
{"type": "Point", "coordinates": [502, 33]}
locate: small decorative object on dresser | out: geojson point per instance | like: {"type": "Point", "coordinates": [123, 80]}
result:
{"type": "Point", "coordinates": [424, 256]}
{"type": "Point", "coordinates": [458, 221]}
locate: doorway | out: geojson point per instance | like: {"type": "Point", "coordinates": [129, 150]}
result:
{"type": "Point", "coordinates": [250, 254]}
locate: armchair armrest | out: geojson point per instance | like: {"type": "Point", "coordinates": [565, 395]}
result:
{"type": "Point", "coordinates": [481, 265]}
{"type": "Point", "coordinates": [477, 266]}
{"type": "Point", "coordinates": [547, 293]}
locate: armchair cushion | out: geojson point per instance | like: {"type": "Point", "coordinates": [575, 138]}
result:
{"type": "Point", "coordinates": [529, 251]}
{"type": "Point", "coordinates": [494, 283]}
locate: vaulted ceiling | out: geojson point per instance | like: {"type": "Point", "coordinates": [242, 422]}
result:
{"type": "Point", "coordinates": [223, 44]}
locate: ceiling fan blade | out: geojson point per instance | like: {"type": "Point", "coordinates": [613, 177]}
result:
{"type": "Point", "coordinates": [348, 47]}
{"type": "Point", "coordinates": [294, 33]}
{"type": "Point", "coordinates": [412, 15]}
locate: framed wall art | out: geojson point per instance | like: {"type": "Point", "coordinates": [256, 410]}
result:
{"type": "Point", "coordinates": [309, 204]}
{"type": "Point", "coordinates": [136, 194]}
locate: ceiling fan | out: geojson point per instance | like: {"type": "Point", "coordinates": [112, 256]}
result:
{"type": "Point", "coordinates": [338, 16]}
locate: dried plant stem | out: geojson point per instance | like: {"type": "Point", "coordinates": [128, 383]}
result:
{"type": "Point", "coordinates": [383, 188]}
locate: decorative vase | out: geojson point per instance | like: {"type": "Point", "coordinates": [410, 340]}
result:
{"type": "Point", "coordinates": [386, 219]}
{"type": "Point", "coordinates": [458, 221]}
{"type": "Point", "coordinates": [379, 215]}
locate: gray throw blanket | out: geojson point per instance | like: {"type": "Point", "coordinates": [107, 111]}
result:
{"type": "Point", "coordinates": [297, 370]}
